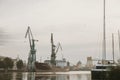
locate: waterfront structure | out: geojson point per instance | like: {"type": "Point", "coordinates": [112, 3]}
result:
{"type": "Point", "coordinates": [59, 63]}
{"type": "Point", "coordinates": [42, 66]}
{"type": "Point", "coordinates": [89, 64]}
{"type": "Point", "coordinates": [78, 65]}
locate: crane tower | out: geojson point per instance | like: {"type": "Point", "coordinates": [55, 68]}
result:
{"type": "Point", "coordinates": [32, 53]}
{"type": "Point", "coordinates": [53, 54]}
{"type": "Point", "coordinates": [54, 50]}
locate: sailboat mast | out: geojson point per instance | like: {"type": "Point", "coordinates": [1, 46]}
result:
{"type": "Point", "coordinates": [104, 34]}
{"type": "Point", "coordinates": [113, 46]}
{"type": "Point", "coordinates": [119, 40]}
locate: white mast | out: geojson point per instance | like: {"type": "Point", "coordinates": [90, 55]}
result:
{"type": "Point", "coordinates": [119, 40]}
{"type": "Point", "coordinates": [113, 47]}
{"type": "Point", "coordinates": [104, 35]}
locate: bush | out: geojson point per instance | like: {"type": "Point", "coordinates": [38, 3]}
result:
{"type": "Point", "coordinates": [8, 63]}
{"type": "Point", "coordinates": [2, 64]}
{"type": "Point", "coordinates": [20, 64]}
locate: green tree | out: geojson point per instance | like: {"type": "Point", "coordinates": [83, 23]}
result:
{"type": "Point", "coordinates": [1, 64]}
{"type": "Point", "coordinates": [8, 63]}
{"type": "Point", "coordinates": [20, 64]}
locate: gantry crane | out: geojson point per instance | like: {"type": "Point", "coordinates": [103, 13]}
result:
{"type": "Point", "coordinates": [54, 50]}
{"type": "Point", "coordinates": [32, 53]}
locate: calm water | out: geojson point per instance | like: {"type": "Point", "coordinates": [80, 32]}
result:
{"type": "Point", "coordinates": [75, 75]}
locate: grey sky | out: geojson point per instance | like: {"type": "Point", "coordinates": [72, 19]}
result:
{"type": "Point", "coordinates": [77, 24]}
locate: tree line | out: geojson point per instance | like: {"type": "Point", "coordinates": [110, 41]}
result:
{"type": "Point", "coordinates": [8, 63]}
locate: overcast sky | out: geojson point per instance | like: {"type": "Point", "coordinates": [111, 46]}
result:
{"type": "Point", "coordinates": [76, 24]}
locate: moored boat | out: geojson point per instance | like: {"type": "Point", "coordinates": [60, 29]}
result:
{"type": "Point", "coordinates": [103, 70]}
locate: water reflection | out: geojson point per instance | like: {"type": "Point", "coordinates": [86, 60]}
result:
{"type": "Point", "coordinates": [88, 77]}
{"type": "Point", "coordinates": [16, 76]}
{"type": "Point", "coordinates": [78, 76]}
{"type": "Point", "coordinates": [52, 77]}
{"type": "Point", "coordinates": [31, 76]}
{"type": "Point", "coordinates": [42, 78]}
{"type": "Point", "coordinates": [5, 76]}
{"type": "Point", "coordinates": [34, 76]}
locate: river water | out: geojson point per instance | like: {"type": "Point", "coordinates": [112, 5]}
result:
{"type": "Point", "coordinates": [72, 75]}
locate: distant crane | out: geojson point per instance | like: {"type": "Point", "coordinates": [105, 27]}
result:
{"type": "Point", "coordinates": [53, 54]}
{"type": "Point", "coordinates": [54, 50]}
{"type": "Point", "coordinates": [59, 47]}
{"type": "Point", "coordinates": [32, 53]}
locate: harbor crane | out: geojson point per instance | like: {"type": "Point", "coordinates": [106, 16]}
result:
{"type": "Point", "coordinates": [59, 47]}
{"type": "Point", "coordinates": [54, 50]}
{"type": "Point", "coordinates": [32, 53]}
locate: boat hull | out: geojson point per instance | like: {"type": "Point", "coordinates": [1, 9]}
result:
{"type": "Point", "coordinates": [100, 74]}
